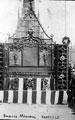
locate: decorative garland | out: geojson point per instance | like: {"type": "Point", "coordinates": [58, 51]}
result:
{"type": "Point", "coordinates": [29, 83]}
{"type": "Point", "coordinates": [45, 84]}
{"type": "Point", "coordinates": [13, 84]}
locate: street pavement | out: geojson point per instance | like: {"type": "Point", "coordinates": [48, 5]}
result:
{"type": "Point", "coordinates": [36, 112]}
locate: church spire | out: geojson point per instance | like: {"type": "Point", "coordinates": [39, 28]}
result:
{"type": "Point", "coordinates": [27, 21]}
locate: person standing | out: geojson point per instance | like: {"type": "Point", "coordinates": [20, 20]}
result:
{"type": "Point", "coordinates": [73, 83]}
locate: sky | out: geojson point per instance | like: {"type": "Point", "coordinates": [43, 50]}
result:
{"type": "Point", "coordinates": [51, 15]}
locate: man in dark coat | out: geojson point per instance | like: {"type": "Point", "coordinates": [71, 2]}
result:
{"type": "Point", "coordinates": [73, 84]}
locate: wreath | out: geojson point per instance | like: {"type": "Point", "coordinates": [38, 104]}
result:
{"type": "Point", "coordinates": [29, 83]}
